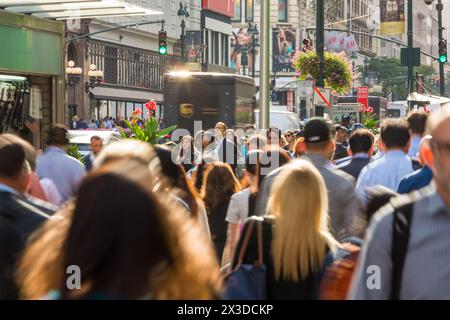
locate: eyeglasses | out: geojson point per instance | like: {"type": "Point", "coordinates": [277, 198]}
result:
{"type": "Point", "coordinates": [288, 135]}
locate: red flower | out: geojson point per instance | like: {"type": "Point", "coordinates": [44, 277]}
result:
{"type": "Point", "coordinates": [138, 111]}
{"type": "Point", "coordinates": [151, 105]}
{"type": "Point", "coordinates": [168, 136]}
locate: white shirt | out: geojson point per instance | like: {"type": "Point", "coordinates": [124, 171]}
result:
{"type": "Point", "coordinates": [238, 208]}
{"type": "Point", "coordinates": [387, 171]}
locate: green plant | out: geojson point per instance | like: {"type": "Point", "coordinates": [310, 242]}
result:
{"type": "Point", "coordinates": [74, 152]}
{"type": "Point", "coordinates": [337, 69]}
{"type": "Point", "coordinates": [148, 131]}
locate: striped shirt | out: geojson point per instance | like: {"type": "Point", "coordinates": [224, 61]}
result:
{"type": "Point", "coordinates": [426, 273]}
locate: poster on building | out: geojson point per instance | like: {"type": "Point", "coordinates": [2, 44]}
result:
{"type": "Point", "coordinates": [241, 39]}
{"type": "Point", "coordinates": [194, 48]}
{"type": "Point", "coordinates": [283, 41]}
{"type": "Point", "coordinates": [340, 41]}
{"type": "Point", "coordinates": [392, 17]}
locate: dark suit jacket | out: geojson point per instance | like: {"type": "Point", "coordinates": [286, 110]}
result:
{"type": "Point", "coordinates": [355, 166]}
{"type": "Point", "coordinates": [228, 153]}
{"type": "Point", "coordinates": [340, 152]}
{"type": "Point", "coordinates": [87, 162]}
{"type": "Point", "coordinates": [19, 218]}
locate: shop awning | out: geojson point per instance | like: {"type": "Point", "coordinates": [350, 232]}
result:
{"type": "Point", "coordinates": [75, 9]}
{"type": "Point", "coordinates": [106, 93]}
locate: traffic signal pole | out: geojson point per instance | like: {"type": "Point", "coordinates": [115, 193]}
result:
{"type": "Point", "coordinates": [264, 66]}
{"type": "Point", "coordinates": [440, 8]}
{"type": "Point", "coordinates": [410, 47]}
{"type": "Point", "coordinates": [320, 25]}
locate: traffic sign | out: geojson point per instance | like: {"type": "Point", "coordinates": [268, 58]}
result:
{"type": "Point", "coordinates": [322, 97]}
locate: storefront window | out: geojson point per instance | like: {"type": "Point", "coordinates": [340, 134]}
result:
{"type": "Point", "coordinates": [112, 110]}
{"type": "Point", "coordinates": [121, 109]}
{"type": "Point", "coordinates": [103, 109]}
{"type": "Point", "coordinates": [130, 109]}
{"type": "Point", "coordinates": [249, 10]}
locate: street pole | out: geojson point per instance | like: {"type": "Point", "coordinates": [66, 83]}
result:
{"type": "Point", "coordinates": [320, 21]}
{"type": "Point", "coordinates": [183, 49]}
{"type": "Point", "coordinates": [253, 56]}
{"type": "Point", "coordinates": [439, 8]}
{"type": "Point", "coordinates": [410, 47]}
{"type": "Point", "coordinates": [264, 66]}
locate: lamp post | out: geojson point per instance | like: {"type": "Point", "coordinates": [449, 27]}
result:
{"type": "Point", "coordinates": [73, 76]}
{"type": "Point", "coordinates": [253, 31]}
{"type": "Point", "coordinates": [95, 78]}
{"type": "Point", "coordinates": [354, 56]}
{"type": "Point", "coordinates": [366, 75]}
{"type": "Point", "coordinates": [183, 13]}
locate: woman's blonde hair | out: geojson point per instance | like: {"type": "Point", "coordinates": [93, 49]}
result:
{"type": "Point", "coordinates": [301, 236]}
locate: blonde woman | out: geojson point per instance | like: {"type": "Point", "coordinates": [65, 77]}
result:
{"type": "Point", "coordinates": [297, 244]}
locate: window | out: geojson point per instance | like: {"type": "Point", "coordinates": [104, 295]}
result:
{"type": "Point", "coordinates": [129, 110]}
{"type": "Point", "coordinates": [282, 11]}
{"type": "Point", "coordinates": [249, 10]}
{"type": "Point", "coordinates": [237, 11]}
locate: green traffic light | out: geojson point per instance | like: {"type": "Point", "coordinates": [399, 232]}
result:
{"type": "Point", "coordinates": [162, 50]}
{"type": "Point", "coordinates": [443, 59]}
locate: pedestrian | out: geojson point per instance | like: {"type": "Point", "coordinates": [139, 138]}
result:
{"type": "Point", "coordinates": [187, 154]}
{"type": "Point", "coordinates": [341, 142]}
{"type": "Point", "coordinates": [394, 165]}
{"type": "Point", "coordinates": [361, 149]}
{"type": "Point", "coordinates": [219, 185]}
{"type": "Point", "coordinates": [242, 204]}
{"type": "Point", "coordinates": [93, 124]}
{"type": "Point", "coordinates": [343, 204]}
{"type": "Point", "coordinates": [408, 241]}
{"type": "Point", "coordinates": [152, 252]}
{"type": "Point", "coordinates": [290, 140]}
{"type": "Point", "coordinates": [225, 150]}
{"type": "Point", "coordinates": [179, 184]}
{"type": "Point", "coordinates": [96, 146]}
{"type": "Point", "coordinates": [63, 170]}
{"type": "Point", "coordinates": [19, 218]}
{"type": "Point", "coordinates": [297, 245]}
{"type": "Point", "coordinates": [417, 123]}
{"type": "Point", "coordinates": [422, 177]}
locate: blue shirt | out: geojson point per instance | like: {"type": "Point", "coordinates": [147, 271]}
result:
{"type": "Point", "coordinates": [426, 272]}
{"type": "Point", "coordinates": [65, 172]}
{"type": "Point", "coordinates": [414, 147]}
{"type": "Point", "coordinates": [5, 188]}
{"type": "Point", "coordinates": [386, 171]}
{"type": "Point", "coordinates": [416, 180]}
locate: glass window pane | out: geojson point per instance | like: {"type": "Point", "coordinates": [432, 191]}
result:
{"type": "Point", "coordinates": [103, 109]}
{"type": "Point", "coordinates": [282, 10]}
{"type": "Point", "coordinates": [249, 10]}
{"type": "Point", "coordinates": [129, 109]}
{"type": "Point", "coordinates": [237, 10]}
{"type": "Point", "coordinates": [121, 109]}
{"type": "Point", "coordinates": [112, 112]}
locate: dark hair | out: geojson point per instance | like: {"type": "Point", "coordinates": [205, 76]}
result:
{"type": "Point", "coordinates": [361, 141]}
{"type": "Point", "coordinates": [103, 242]}
{"type": "Point", "coordinates": [58, 135]}
{"type": "Point", "coordinates": [192, 155]}
{"type": "Point", "coordinates": [378, 196]}
{"type": "Point", "coordinates": [96, 138]}
{"type": "Point", "coordinates": [30, 152]}
{"type": "Point", "coordinates": [252, 160]}
{"type": "Point", "coordinates": [12, 159]}
{"type": "Point", "coordinates": [417, 122]}
{"type": "Point", "coordinates": [177, 178]}
{"type": "Point", "coordinates": [394, 133]}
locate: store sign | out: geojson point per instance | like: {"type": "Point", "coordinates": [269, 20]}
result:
{"type": "Point", "coordinates": [224, 7]}
{"type": "Point", "coordinates": [363, 96]}
{"type": "Point", "coordinates": [186, 110]}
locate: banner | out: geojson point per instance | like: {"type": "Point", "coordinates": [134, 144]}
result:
{"type": "Point", "coordinates": [340, 41]}
{"type": "Point", "coordinates": [239, 40]}
{"type": "Point", "coordinates": [283, 41]}
{"type": "Point", "coordinates": [392, 17]}
{"type": "Point", "coordinates": [194, 48]}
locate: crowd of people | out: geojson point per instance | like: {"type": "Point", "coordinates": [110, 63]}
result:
{"type": "Point", "coordinates": [144, 221]}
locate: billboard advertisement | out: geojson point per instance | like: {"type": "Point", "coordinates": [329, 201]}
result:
{"type": "Point", "coordinates": [224, 7]}
{"type": "Point", "coordinates": [392, 17]}
{"type": "Point", "coordinates": [283, 44]}
{"type": "Point", "coordinates": [239, 40]}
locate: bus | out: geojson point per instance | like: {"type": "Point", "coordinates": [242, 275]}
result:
{"type": "Point", "coordinates": [208, 97]}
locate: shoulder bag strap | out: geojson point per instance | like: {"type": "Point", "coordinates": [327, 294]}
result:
{"type": "Point", "coordinates": [243, 250]}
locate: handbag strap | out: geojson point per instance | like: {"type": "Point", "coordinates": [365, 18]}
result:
{"type": "Point", "coordinates": [260, 244]}
{"type": "Point", "coordinates": [243, 250]}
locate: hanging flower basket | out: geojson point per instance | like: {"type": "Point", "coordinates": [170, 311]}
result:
{"type": "Point", "coordinates": [337, 71]}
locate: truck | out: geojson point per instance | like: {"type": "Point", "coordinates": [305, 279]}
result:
{"type": "Point", "coordinates": [208, 97]}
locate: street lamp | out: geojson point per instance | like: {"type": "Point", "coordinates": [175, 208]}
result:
{"type": "Point", "coordinates": [354, 56]}
{"type": "Point", "coordinates": [183, 12]}
{"type": "Point", "coordinates": [73, 73]}
{"type": "Point", "coordinates": [95, 78]}
{"type": "Point", "coordinates": [253, 31]}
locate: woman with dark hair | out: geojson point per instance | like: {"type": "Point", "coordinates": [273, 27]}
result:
{"type": "Point", "coordinates": [187, 153]}
{"type": "Point", "coordinates": [176, 178]}
{"type": "Point", "coordinates": [128, 240]}
{"type": "Point", "coordinates": [219, 185]}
